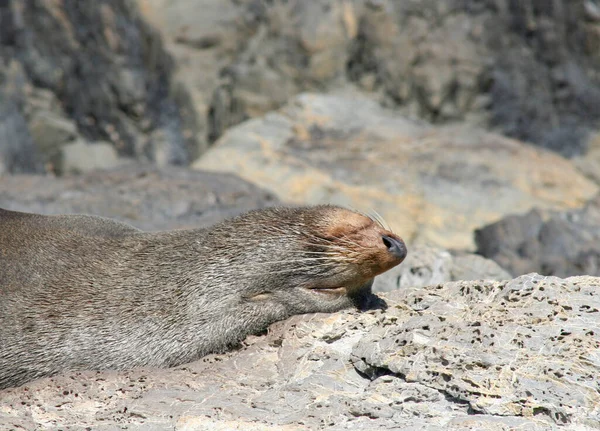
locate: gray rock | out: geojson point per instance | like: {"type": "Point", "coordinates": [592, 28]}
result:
{"type": "Point", "coordinates": [18, 153]}
{"type": "Point", "coordinates": [518, 354]}
{"type": "Point", "coordinates": [552, 243]}
{"type": "Point", "coordinates": [202, 36]}
{"type": "Point", "coordinates": [486, 62]}
{"type": "Point", "coordinates": [491, 63]}
{"type": "Point", "coordinates": [142, 195]}
{"type": "Point", "coordinates": [106, 68]}
{"type": "Point", "coordinates": [468, 266]}
{"type": "Point", "coordinates": [589, 164]}
{"type": "Point", "coordinates": [50, 131]}
{"type": "Point", "coordinates": [286, 48]}
{"type": "Point", "coordinates": [426, 266]}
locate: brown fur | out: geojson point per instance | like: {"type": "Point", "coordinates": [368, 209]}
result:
{"type": "Point", "coordinates": [82, 292]}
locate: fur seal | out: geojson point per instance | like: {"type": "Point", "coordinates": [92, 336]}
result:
{"type": "Point", "coordinates": [81, 292]}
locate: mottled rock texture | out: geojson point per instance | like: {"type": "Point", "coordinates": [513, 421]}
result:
{"type": "Point", "coordinates": [92, 70]}
{"type": "Point", "coordinates": [518, 354]}
{"type": "Point", "coordinates": [432, 184]}
{"type": "Point", "coordinates": [527, 68]}
{"type": "Point", "coordinates": [552, 243]}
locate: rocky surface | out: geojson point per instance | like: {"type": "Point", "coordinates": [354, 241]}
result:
{"type": "Point", "coordinates": [526, 68]}
{"type": "Point", "coordinates": [97, 71]}
{"type": "Point", "coordinates": [432, 184]}
{"type": "Point", "coordinates": [145, 196]}
{"type": "Point", "coordinates": [552, 243]}
{"type": "Point", "coordinates": [518, 354]}
{"type": "Point", "coordinates": [426, 265]}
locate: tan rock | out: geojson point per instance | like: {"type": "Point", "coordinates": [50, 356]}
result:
{"type": "Point", "coordinates": [589, 163]}
{"type": "Point", "coordinates": [432, 185]}
{"type": "Point", "coordinates": [201, 36]}
{"type": "Point", "coordinates": [50, 131]}
{"type": "Point", "coordinates": [80, 156]}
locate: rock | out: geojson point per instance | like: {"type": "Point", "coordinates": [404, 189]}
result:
{"type": "Point", "coordinates": [142, 195]}
{"type": "Point", "coordinates": [289, 48]}
{"type": "Point", "coordinates": [434, 67]}
{"type": "Point", "coordinates": [50, 132]}
{"type": "Point", "coordinates": [18, 153]}
{"type": "Point", "coordinates": [543, 72]}
{"type": "Point", "coordinates": [202, 37]}
{"type": "Point", "coordinates": [552, 243]}
{"type": "Point", "coordinates": [426, 266]}
{"type": "Point", "coordinates": [107, 71]}
{"type": "Point", "coordinates": [589, 163]}
{"type": "Point", "coordinates": [470, 355]}
{"type": "Point", "coordinates": [80, 157]}
{"type": "Point", "coordinates": [432, 185]}
{"type": "Point", "coordinates": [491, 63]}
{"type": "Point", "coordinates": [468, 266]}
{"type": "Point", "coordinates": [486, 63]}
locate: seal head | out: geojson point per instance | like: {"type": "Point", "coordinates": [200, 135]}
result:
{"type": "Point", "coordinates": [322, 258]}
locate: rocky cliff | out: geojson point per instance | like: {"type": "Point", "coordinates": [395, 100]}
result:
{"type": "Point", "coordinates": [525, 68]}
{"type": "Point", "coordinates": [82, 83]}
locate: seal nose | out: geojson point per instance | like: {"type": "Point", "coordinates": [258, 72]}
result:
{"type": "Point", "coordinates": [395, 246]}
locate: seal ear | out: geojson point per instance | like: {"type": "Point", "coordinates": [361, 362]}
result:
{"type": "Point", "coordinates": [364, 299]}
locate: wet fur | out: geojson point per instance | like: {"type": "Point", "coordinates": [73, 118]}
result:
{"type": "Point", "coordinates": [84, 292]}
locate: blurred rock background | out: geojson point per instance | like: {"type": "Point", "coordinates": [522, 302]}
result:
{"type": "Point", "coordinates": [442, 116]}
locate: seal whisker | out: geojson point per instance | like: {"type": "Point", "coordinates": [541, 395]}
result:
{"type": "Point", "coordinates": [346, 240]}
{"type": "Point", "coordinates": [334, 243]}
{"type": "Point", "coordinates": [328, 246]}
{"type": "Point", "coordinates": [382, 222]}
{"type": "Point", "coordinates": [291, 270]}
{"type": "Point", "coordinates": [309, 259]}
{"type": "Point", "coordinates": [316, 253]}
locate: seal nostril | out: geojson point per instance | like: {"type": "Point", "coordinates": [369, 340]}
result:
{"type": "Point", "coordinates": [386, 242]}
{"type": "Point", "coordinates": [395, 246]}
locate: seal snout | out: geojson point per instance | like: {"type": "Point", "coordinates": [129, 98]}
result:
{"type": "Point", "coordinates": [395, 246]}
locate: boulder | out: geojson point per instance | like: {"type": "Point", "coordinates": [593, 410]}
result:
{"type": "Point", "coordinates": [18, 153]}
{"type": "Point", "coordinates": [589, 163]}
{"type": "Point", "coordinates": [143, 195]}
{"type": "Point", "coordinates": [80, 156]}
{"type": "Point", "coordinates": [102, 73]}
{"type": "Point", "coordinates": [425, 266]}
{"type": "Point", "coordinates": [468, 355]}
{"type": "Point", "coordinates": [50, 131]}
{"type": "Point", "coordinates": [432, 184]}
{"type": "Point", "coordinates": [202, 37]}
{"type": "Point", "coordinates": [552, 243]}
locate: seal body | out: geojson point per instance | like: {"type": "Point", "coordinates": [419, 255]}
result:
{"type": "Point", "coordinates": [89, 293]}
